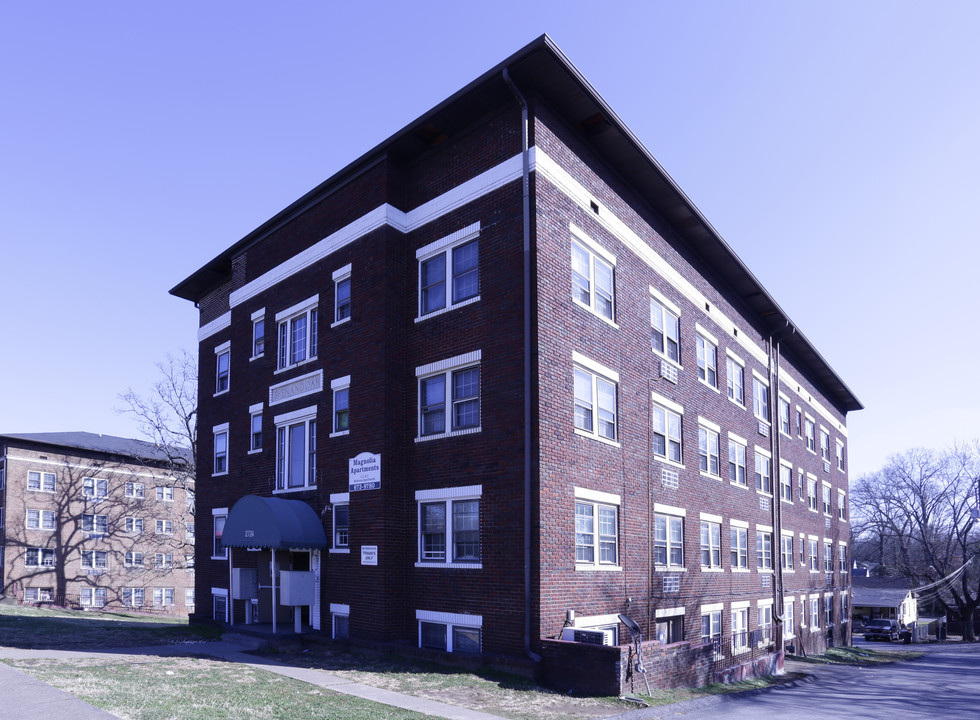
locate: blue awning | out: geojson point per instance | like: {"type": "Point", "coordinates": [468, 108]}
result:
{"type": "Point", "coordinates": [269, 522]}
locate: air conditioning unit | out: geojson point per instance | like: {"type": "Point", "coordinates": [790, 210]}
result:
{"type": "Point", "coordinates": [764, 428]}
{"type": "Point", "coordinates": [668, 371]}
{"type": "Point", "coordinates": [592, 637]}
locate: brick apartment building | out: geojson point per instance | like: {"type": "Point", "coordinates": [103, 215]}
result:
{"type": "Point", "coordinates": [95, 521]}
{"type": "Point", "coordinates": [497, 382]}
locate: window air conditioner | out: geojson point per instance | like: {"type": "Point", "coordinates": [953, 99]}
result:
{"type": "Point", "coordinates": [593, 637]}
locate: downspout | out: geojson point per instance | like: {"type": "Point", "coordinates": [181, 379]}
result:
{"type": "Point", "coordinates": [528, 435]}
{"type": "Point", "coordinates": [777, 500]}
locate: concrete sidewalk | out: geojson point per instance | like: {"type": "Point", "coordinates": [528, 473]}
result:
{"type": "Point", "coordinates": [29, 697]}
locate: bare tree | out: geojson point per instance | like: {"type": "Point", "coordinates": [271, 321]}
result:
{"type": "Point", "coordinates": [916, 517]}
{"type": "Point", "coordinates": [168, 417]}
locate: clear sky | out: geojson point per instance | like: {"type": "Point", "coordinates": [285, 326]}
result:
{"type": "Point", "coordinates": [834, 145]}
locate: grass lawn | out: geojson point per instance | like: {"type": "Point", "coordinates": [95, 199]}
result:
{"type": "Point", "coordinates": [139, 687]}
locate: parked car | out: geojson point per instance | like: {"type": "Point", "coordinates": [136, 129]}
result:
{"type": "Point", "coordinates": [887, 630]}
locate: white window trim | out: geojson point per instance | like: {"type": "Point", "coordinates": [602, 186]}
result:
{"type": "Point", "coordinates": [215, 431]}
{"type": "Point", "coordinates": [338, 610]}
{"type": "Point", "coordinates": [301, 308]}
{"type": "Point", "coordinates": [716, 429]}
{"type": "Point", "coordinates": [342, 383]}
{"type": "Point", "coordinates": [447, 367]}
{"type": "Point", "coordinates": [670, 406]}
{"type": "Point", "coordinates": [220, 350]}
{"type": "Point", "coordinates": [736, 360]}
{"type": "Point", "coordinates": [451, 621]}
{"type": "Point", "coordinates": [598, 497]}
{"type": "Point", "coordinates": [713, 341]}
{"type": "Point", "coordinates": [254, 410]}
{"type": "Point", "coordinates": [595, 250]}
{"type": "Point", "coordinates": [285, 420]}
{"type": "Point", "coordinates": [335, 500]}
{"type": "Point", "coordinates": [339, 275]}
{"type": "Point", "coordinates": [671, 511]}
{"type": "Point", "coordinates": [256, 316]}
{"type": "Point", "coordinates": [448, 495]}
{"type": "Point", "coordinates": [445, 245]}
{"type": "Point", "coordinates": [216, 513]}
{"type": "Point", "coordinates": [673, 309]}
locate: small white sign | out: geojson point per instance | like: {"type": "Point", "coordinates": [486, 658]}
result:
{"type": "Point", "coordinates": [364, 472]}
{"type": "Point", "coordinates": [369, 554]}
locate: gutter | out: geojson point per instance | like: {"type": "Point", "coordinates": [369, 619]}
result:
{"type": "Point", "coordinates": [528, 465]}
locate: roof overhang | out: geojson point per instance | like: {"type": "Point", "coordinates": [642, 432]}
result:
{"type": "Point", "coordinates": [274, 523]}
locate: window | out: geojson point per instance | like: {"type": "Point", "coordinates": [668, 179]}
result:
{"type": "Point", "coordinates": [218, 550]}
{"type": "Point", "coordinates": [596, 534]}
{"type": "Point", "coordinates": [814, 612]}
{"type": "Point", "coordinates": [165, 527]}
{"type": "Point", "coordinates": [668, 541]}
{"type": "Point", "coordinates": [188, 561]}
{"type": "Point", "coordinates": [449, 632]}
{"type": "Point", "coordinates": [841, 505]}
{"type": "Point", "coordinates": [40, 481]}
{"type": "Point", "coordinates": [711, 628]}
{"type": "Point", "coordinates": [95, 559]}
{"type": "Point", "coordinates": [824, 445]}
{"type": "Point", "coordinates": [38, 557]}
{"type": "Point", "coordinates": [843, 608]}
{"type": "Point", "coordinates": [592, 278]}
{"type": "Point", "coordinates": [223, 369]}
{"type": "Point", "coordinates": [840, 456]}
{"type": "Point", "coordinates": [165, 493]}
{"type": "Point", "coordinates": [221, 449]}
{"type": "Point", "coordinates": [710, 545]}
{"type": "Point", "coordinates": [665, 324]}
{"type": "Point", "coordinates": [134, 525]}
{"type": "Point", "coordinates": [341, 525]}
{"type": "Point", "coordinates": [341, 294]}
{"type": "Point", "coordinates": [799, 422]}
{"type": "Point", "coordinates": [707, 361]}
{"type": "Point", "coordinates": [340, 620]}
{"type": "Point", "coordinates": [760, 400]}
{"type": "Point", "coordinates": [736, 381]}
{"type": "Point", "coordinates": [736, 462]}
{"type": "Point", "coordinates": [255, 428]}
{"type": "Point", "coordinates": [95, 524]}
{"type": "Point", "coordinates": [765, 624]}
{"type": "Point", "coordinates": [163, 596]}
{"type": "Point", "coordinates": [95, 489]}
{"type": "Point", "coordinates": [786, 554]}
{"type": "Point", "coordinates": [40, 519]}
{"type": "Point", "coordinates": [786, 482]}
{"type": "Point", "coordinates": [670, 626]}
{"type": "Point", "coordinates": [452, 261]}
{"type": "Point", "coordinates": [133, 597]}
{"type": "Point", "coordinates": [449, 526]}
{"type": "Point", "coordinates": [812, 555]}
{"type": "Point", "coordinates": [788, 621]}
{"type": "Point", "coordinates": [811, 493]}
{"type": "Point", "coordinates": [828, 557]}
{"type": "Point", "coordinates": [826, 499]}
{"type": "Point", "coordinates": [93, 597]}
{"type": "Point", "coordinates": [667, 433]}
{"type": "Point", "coordinates": [134, 490]}
{"type": "Point", "coordinates": [763, 472]}
{"type": "Point", "coordinates": [808, 429]}
{"type": "Point", "coordinates": [258, 333]}
{"type": "Point", "coordinates": [134, 559]}
{"type": "Point", "coordinates": [38, 594]}
{"type": "Point", "coordinates": [739, 548]}
{"type": "Point", "coordinates": [189, 599]}
{"type": "Point", "coordinates": [296, 449]}
{"type": "Point", "coordinates": [164, 561]}
{"type": "Point", "coordinates": [449, 396]}
{"type": "Point", "coordinates": [190, 530]}
{"type": "Point", "coordinates": [784, 426]}
{"type": "Point", "coordinates": [595, 401]}
{"type": "Point", "coordinates": [708, 450]}
{"type": "Point", "coordinates": [740, 629]}
{"type": "Point", "coordinates": [763, 550]}
{"type": "Point", "coordinates": [341, 405]}
{"type": "Point", "coordinates": [828, 610]}
{"type": "Point", "coordinates": [297, 333]}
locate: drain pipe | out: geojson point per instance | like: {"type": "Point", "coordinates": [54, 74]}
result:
{"type": "Point", "coordinates": [778, 591]}
{"type": "Point", "coordinates": [525, 173]}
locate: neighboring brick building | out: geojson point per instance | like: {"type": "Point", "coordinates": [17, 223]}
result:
{"type": "Point", "coordinates": [546, 385]}
{"type": "Point", "coordinates": [95, 521]}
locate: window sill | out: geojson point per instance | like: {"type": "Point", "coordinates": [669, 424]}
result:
{"type": "Point", "coordinates": [660, 355]}
{"type": "Point", "coordinates": [221, 392]}
{"type": "Point", "coordinates": [451, 433]}
{"type": "Point", "coordinates": [340, 322]}
{"type": "Point", "coordinates": [301, 363]}
{"type": "Point", "coordinates": [669, 568]}
{"type": "Point", "coordinates": [585, 567]}
{"type": "Point", "coordinates": [741, 570]}
{"type": "Point", "coordinates": [339, 551]}
{"type": "Point", "coordinates": [339, 433]}
{"type": "Point", "coordinates": [712, 569]}
{"type": "Point", "coordinates": [591, 311]}
{"type": "Point", "coordinates": [671, 463]}
{"type": "Point", "coordinates": [215, 557]}
{"type": "Point", "coordinates": [442, 311]}
{"type": "Point", "coordinates": [709, 385]}
{"type": "Point", "coordinates": [257, 357]}
{"type": "Point", "coordinates": [733, 401]}
{"type": "Point", "coordinates": [789, 570]}
{"type": "Point", "coordinates": [599, 438]}
{"type": "Point", "coordinates": [733, 483]}
{"type": "Point", "coordinates": [764, 493]}
{"type": "Point", "coordinates": [286, 491]}
{"type": "Point", "coordinates": [220, 474]}
{"type": "Point", "coordinates": [255, 452]}
{"type": "Point", "coordinates": [450, 565]}
{"type": "Point", "coordinates": [708, 475]}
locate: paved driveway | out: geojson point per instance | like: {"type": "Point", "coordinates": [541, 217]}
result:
{"type": "Point", "coordinates": [945, 683]}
